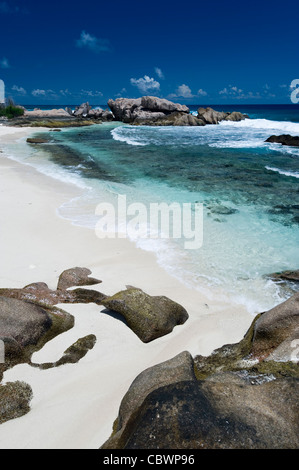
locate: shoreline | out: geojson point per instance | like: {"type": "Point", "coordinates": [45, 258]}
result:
{"type": "Point", "coordinates": [74, 406]}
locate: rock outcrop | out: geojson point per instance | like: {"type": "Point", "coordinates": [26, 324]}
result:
{"type": "Point", "coordinates": [210, 116]}
{"type": "Point", "coordinates": [86, 111]}
{"type": "Point", "coordinates": [145, 110]}
{"type": "Point", "coordinates": [291, 276]}
{"type": "Point", "coordinates": [285, 139]}
{"type": "Point", "coordinates": [150, 317]}
{"type": "Point", "coordinates": [46, 113]}
{"type": "Point", "coordinates": [150, 110]}
{"type": "Point", "coordinates": [242, 396]}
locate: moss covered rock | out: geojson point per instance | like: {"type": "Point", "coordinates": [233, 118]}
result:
{"type": "Point", "coordinates": [150, 317]}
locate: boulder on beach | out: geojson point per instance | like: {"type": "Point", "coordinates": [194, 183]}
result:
{"type": "Point", "coordinates": [25, 327]}
{"type": "Point", "coordinates": [284, 139]}
{"type": "Point", "coordinates": [15, 400]}
{"type": "Point", "coordinates": [150, 317]}
{"type": "Point", "coordinates": [242, 396]}
{"type": "Point", "coordinates": [76, 277]}
{"type": "Point", "coordinates": [40, 293]}
{"type": "Point", "coordinates": [179, 368]}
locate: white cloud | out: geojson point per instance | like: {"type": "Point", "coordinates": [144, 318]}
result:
{"type": "Point", "coordinates": [202, 92]}
{"type": "Point", "coordinates": [159, 73]}
{"type": "Point", "coordinates": [92, 43]}
{"type": "Point", "coordinates": [20, 90]}
{"type": "Point", "coordinates": [231, 91]}
{"type": "Point", "coordinates": [91, 93]}
{"type": "Point", "coordinates": [49, 94]}
{"type": "Point", "coordinates": [184, 91]}
{"type": "Point", "coordinates": [4, 64]}
{"type": "Point", "coordinates": [64, 92]}
{"type": "Point", "coordinates": [38, 92]}
{"type": "Point", "coordinates": [122, 92]}
{"type": "Point", "coordinates": [145, 84]}
{"type": "Point", "coordinates": [237, 93]}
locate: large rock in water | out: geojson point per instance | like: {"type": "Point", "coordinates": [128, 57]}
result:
{"type": "Point", "coordinates": [148, 316]}
{"type": "Point", "coordinates": [150, 110]}
{"type": "Point", "coordinates": [145, 110]}
{"type": "Point", "coordinates": [243, 396]}
{"type": "Point", "coordinates": [284, 139]}
{"type": "Point", "coordinates": [153, 103]}
{"type": "Point", "coordinates": [210, 116]}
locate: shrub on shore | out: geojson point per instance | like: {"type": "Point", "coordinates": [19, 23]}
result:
{"type": "Point", "coordinates": [11, 110]}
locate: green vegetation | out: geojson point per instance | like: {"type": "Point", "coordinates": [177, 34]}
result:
{"type": "Point", "coordinates": [11, 110]}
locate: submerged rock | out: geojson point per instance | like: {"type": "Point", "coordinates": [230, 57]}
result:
{"type": "Point", "coordinates": [36, 140]}
{"type": "Point", "coordinates": [292, 276]}
{"type": "Point", "coordinates": [148, 316]}
{"type": "Point", "coordinates": [284, 139]}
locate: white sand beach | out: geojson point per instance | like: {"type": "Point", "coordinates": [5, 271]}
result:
{"type": "Point", "coordinates": [74, 406]}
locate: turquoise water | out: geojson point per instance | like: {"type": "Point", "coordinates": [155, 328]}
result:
{"type": "Point", "coordinates": [249, 190]}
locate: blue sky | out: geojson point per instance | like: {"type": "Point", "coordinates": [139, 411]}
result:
{"type": "Point", "coordinates": [66, 52]}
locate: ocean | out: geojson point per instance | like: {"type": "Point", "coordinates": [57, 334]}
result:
{"type": "Point", "coordinates": [249, 190]}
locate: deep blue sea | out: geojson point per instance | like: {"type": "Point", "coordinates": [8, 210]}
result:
{"type": "Point", "coordinates": [249, 190]}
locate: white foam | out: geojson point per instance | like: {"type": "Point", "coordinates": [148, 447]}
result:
{"type": "Point", "coordinates": [294, 174]}
{"type": "Point", "coordinates": [239, 144]}
{"type": "Point", "coordinates": [284, 126]}
{"type": "Point", "coordinates": [117, 134]}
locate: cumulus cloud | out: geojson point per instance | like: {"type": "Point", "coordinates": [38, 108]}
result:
{"type": "Point", "coordinates": [4, 64]}
{"type": "Point", "coordinates": [202, 92]}
{"type": "Point", "coordinates": [20, 90]}
{"type": "Point", "coordinates": [159, 73]}
{"type": "Point", "coordinates": [184, 91]}
{"type": "Point", "coordinates": [145, 84]}
{"type": "Point", "coordinates": [93, 43]}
